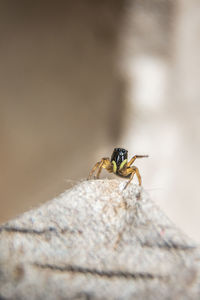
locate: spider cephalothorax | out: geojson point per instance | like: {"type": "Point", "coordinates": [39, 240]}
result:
{"type": "Point", "coordinates": [119, 165]}
{"type": "Point", "coordinates": [119, 158]}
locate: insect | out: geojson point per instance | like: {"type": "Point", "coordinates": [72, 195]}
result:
{"type": "Point", "coordinates": [119, 165]}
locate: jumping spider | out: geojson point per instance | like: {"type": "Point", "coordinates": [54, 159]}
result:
{"type": "Point", "coordinates": [119, 165]}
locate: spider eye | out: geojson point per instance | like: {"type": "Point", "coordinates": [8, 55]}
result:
{"type": "Point", "coordinates": [119, 155]}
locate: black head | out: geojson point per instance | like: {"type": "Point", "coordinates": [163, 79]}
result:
{"type": "Point", "coordinates": [119, 155]}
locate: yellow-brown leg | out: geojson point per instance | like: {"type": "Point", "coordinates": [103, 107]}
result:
{"type": "Point", "coordinates": [93, 169]}
{"type": "Point", "coordinates": [100, 169]}
{"type": "Point", "coordinates": [133, 170]}
{"type": "Point", "coordinates": [134, 158]}
{"type": "Point", "coordinates": [131, 177]}
{"type": "Point", "coordinates": [138, 175]}
{"type": "Point", "coordinates": [104, 163]}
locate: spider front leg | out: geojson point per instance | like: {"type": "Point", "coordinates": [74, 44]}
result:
{"type": "Point", "coordinates": [133, 170]}
{"type": "Point", "coordinates": [134, 158]}
{"type": "Point", "coordinates": [104, 163]}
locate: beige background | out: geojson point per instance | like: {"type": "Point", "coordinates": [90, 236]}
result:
{"type": "Point", "coordinates": [80, 77]}
{"type": "Point", "coordinates": [60, 95]}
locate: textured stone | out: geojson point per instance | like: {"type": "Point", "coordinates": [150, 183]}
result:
{"type": "Point", "coordinates": [97, 241]}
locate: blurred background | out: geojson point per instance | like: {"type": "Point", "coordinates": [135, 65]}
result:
{"type": "Point", "coordinates": [78, 78]}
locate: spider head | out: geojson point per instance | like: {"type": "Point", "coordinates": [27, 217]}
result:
{"type": "Point", "coordinates": [119, 155]}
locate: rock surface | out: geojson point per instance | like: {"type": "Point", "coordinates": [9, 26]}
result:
{"type": "Point", "coordinates": [97, 241]}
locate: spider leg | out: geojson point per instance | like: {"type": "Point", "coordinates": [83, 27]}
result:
{"type": "Point", "coordinates": [134, 158]}
{"type": "Point", "coordinates": [133, 170]}
{"type": "Point", "coordinates": [138, 175]}
{"type": "Point", "coordinates": [93, 169]}
{"type": "Point", "coordinates": [100, 169]}
{"type": "Point", "coordinates": [104, 163]}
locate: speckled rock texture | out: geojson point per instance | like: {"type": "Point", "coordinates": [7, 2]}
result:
{"type": "Point", "coordinates": [97, 241]}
